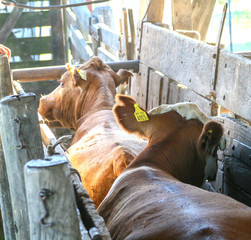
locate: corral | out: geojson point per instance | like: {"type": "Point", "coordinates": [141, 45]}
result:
{"type": "Point", "coordinates": [171, 64]}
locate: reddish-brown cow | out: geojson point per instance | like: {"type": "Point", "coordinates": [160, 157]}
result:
{"type": "Point", "coordinates": [100, 149]}
{"type": "Point", "coordinates": [153, 199]}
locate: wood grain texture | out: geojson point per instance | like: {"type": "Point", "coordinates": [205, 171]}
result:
{"type": "Point", "coordinates": [52, 174]}
{"type": "Point", "coordinates": [190, 62]}
{"type": "Point", "coordinates": [5, 197]}
{"type": "Point", "coordinates": [21, 142]}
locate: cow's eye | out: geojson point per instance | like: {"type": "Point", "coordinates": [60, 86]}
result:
{"type": "Point", "coordinates": [61, 84]}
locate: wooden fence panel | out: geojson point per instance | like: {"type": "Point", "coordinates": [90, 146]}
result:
{"type": "Point", "coordinates": [190, 62]}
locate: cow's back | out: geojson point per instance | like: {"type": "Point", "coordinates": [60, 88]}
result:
{"type": "Point", "coordinates": [152, 205]}
{"type": "Point", "coordinates": [101, 155]}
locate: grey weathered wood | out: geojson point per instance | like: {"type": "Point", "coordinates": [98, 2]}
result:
{"type": "Point", "coordinates": [11, 22]}
{"type": "Point", "coordinates": [139, 86]}
{"type": "Point", "coordinates": [202, 12]}
{"type": "Point", "coordinates": [51, 174]}
{"type": "Point", "coordinates": [109, 37]}
{"type": "Point", "coordinates": [21, 140]}
{"type": "Point", "coordinates": [164, 89]}
{"type": "Point", "coordinates": [57, 33]}
{"type": "Point", "coordinates": [190, 63]}
{"type": "Point", "coordinates": [125, 36]}
{"type": "Point", "coordinates": [154, 90]}
{"type": "Point", "coordinates": [235, 129]}
{"type": "Point", "coordinates": [179, 93]}
{"type": "Point", "coordinates": [155, 12]}
{"type": "Point", "coordinates": [106, 56]}
{"type": "Point", "coordinates": [5, 198]}
{"type": "Point", "coordinates": [182, 14]}
{"type": "Point", "coordinates": [84, 50]}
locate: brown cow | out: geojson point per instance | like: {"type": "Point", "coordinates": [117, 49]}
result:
{"type": "Point", "coordinates": [100, 149]}
{"type": "Point", "coordinates": [153, 199]}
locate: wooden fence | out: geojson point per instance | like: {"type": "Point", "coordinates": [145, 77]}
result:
{"type": "Point", "coordinates": [23, 32]}
{"type": "Point", "coordinates": [175, 68]}
{"type": "Point", "coordinates": [37, 197]}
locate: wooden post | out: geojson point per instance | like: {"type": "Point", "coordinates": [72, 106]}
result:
{"type": "Point", "coordinates": [155, 12]}
{"type": "Point", "coordinates": [50, 199]}
{"type": "Point", "coordinates": [182, 14]}
{"type": "Point", "coordinates": [57, 29]}
{"type": "Point", "coordinates": [21, 141]}
{"type": "Point", "coordinates": [5, 201]}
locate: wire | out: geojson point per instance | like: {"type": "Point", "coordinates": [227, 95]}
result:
{"type": "Point", "coordinates": [13, 3]}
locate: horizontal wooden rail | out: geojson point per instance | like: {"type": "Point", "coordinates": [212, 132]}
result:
{"type": "Point", "coordinates": [55, 72]}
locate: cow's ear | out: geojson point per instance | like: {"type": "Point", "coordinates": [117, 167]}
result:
{"type": "Point", "coordinates": [210, 136]}
{"type": "Point", "coordinates": [122, 76]}
{"type": "Point", "coordinates": [130, 116]}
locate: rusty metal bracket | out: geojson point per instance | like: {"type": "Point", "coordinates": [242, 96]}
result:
{"type": "Point", "coordinates": [44, 194]}
{"type": "Point", "coordinates": [217, 46]}
{"type": "Point", "coordinates": [18, 121]}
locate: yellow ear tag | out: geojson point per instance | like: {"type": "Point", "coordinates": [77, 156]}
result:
{"type": "Point", "coordinates": [209, 132]}
{"type": "Point", "coordinates": [82, 74]}
{"type": "Point", "coordinates": [140, 115]}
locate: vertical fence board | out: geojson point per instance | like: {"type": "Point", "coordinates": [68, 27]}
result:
{"type": "Point", "coordinates": [21, 140]}
{"type": "Point", "coordinates": [5, 198]}
{"type": "Point", "coordinates": [154, 90]}
{"type": "Point", "coordinates": [139, 86]}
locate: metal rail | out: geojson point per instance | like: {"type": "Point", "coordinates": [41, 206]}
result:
{"type": "Point", "coordinates": [55, 72]}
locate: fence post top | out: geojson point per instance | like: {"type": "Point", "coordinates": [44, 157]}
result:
{"type": "Point", "coordinates": [49, 161]}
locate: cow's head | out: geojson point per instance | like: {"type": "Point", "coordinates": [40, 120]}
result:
{"type": "Point", "coordinates": [88, 88]}
{"type": "Point", "coordinates": [179, 135]}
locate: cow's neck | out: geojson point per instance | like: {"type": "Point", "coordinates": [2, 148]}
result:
{"type": "Point", "coordinates": [173, 160]}
{"type": "Point", "coordinates": [91, 103]}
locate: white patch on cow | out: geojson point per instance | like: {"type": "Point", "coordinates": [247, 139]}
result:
{"type": "Point", "coordinates": [186, 109]}
{"type": "Point", "coordinates": [124, 174]}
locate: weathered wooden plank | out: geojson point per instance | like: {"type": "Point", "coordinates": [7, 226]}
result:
{"type": "Point", "coordinates": [106, 56]}
{"type": "Point", "coordinates": [182, 14]}
{"type": "Point", "coordinates": [235, 129]}
{"type": "Point", "coordinates": [233, 88]}
{"type": "Point", "coordinates": [84, 50]}
{"type": "Point", "coordinates": [154, 90]}
{"type": "Point", "coordinates": [32, 46]}
{"type": "Point", "coordinates": [109, 37]}
{"type": "Point", "coordinates": [179, 93]}
{"type": "Point", "coordinates": [71, 19]}
{"type": "Point", "coordinates": [164, 89]}
{"type": "Point", "coordinates": [10, 22]}
{"type": "Point", "coordinates": [21, 140]}
{"type": "Point", "coordinates": [18, 65]}
{"type": "Point", "coordinates": [155, 12]}
{"type": "Point", "coordinates": [235, 192]}
{"type": "Point", "coordinates": [29, 19]}
{"type": "Point", "coordinates": [238, 172]}
{"type": "Point", "coordinates": [139, 86]}
{"type": "Point", "coordinates": [202, 12]}
{"type": "Point", "coordinates": [6, 213]}
{"type": "Point", "coordinates": [50, 177]}
{"type": "Point", "coordinates": [83, 14]}
{"type": "Point", "coordinates": [57, 34]}
{"type": "Point", "coordinates": [190, 63]}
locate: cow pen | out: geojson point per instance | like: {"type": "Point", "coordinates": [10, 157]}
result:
{"type": "Point", "coordinates": [185, 70]}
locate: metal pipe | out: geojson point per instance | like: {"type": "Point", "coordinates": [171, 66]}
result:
{"type": "Point", "coordinates": [55, 72]}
